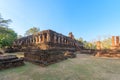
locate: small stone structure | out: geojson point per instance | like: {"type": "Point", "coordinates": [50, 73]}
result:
{"type": "Point", "coordinates": [71, 35]}
{"type": "Point", "coordinates": [9, 61]}
{"type": "Point", "coordinates": [44, 57]}
{"type": "Point", "coordinates": [98, 45]}
{"type": "Point", "coordinates": [115, 42]}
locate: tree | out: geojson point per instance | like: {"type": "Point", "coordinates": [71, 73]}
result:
{"type": "Point", "coordinates": [86, 44]}
{"type": "Point", "coordinates": [106, 43]}
{"type": "Point", "coordinates": [80, 39]}
{"type": "Point", "coordinates": [32, 31]}
{"type": "Point", "coordinates": [4, 23]}
{"type": "Point", "coordinates": [19, 36]}
{"type": "Point", "coordinates": [7, 35]}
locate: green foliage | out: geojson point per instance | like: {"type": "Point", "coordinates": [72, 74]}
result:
{"type": "Point", "coordinates": [87, 45]}
{"type": "Point", "coordinates": [4, 22]}
{"type": "Point", "coordinates": [32, 31]}
{"type": "Point", "coordinates": [106, 43]}
{"type": "Point", "coordinates": [19, 36]}
{"type": "Point", "coordinates": [7, 35]}
{"type": "Point", "coordinates": [80, 40]}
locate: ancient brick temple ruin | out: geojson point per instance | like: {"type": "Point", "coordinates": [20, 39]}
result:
{"type": "Point", "coordinates": [48, 39]}
{"type": "Point", "coordinates": [115, 42]}
{"type": "Point", "coordinates": [98, 47]}
{"type": "Point", "coordinates": [47, 46]}
{"type": "Point", "coordinates": [114, 51]}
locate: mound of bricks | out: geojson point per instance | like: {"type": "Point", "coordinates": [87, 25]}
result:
{"type": "Point", "coordinates": [70, 54]}
{"type": "Point", "coordinates": [108, 53]}
{"type": "Point", "coordinates": [9, 61]}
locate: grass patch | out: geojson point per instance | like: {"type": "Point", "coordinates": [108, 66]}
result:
{"type": "Point", "coordinates": [80, 68]}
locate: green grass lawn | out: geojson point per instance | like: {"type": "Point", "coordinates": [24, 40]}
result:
{"type": "Point", "coordinates": [84, 67]}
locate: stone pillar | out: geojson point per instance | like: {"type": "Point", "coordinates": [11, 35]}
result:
{"type": "Point", "coordinates": [62, 40]}
{"type": "Point", "coordinates": [98, 45]}
{"type": "Point", "coordinates": [58, 39]}
{"type": "Point", "coordinates": [55, 38]}
{"type": "Point", "coordinates": [65, 41]}
{"type": "Point", "coordinates": [43, 38]}
{"type": "Point", "coordinates": [30, 41]}
{"type": "Point", "coordinates": [48, 37]}
{"type": "Point", "coordinates": [36, 39]}
{"type": "Point", "coordinates": [27, 42]}
{"type": "Point", "coordinates": [117, 40]}
{"type": "Point", "coordinates": [33, 40]}
{"type": "Point", "coordinates": [39, 39]}
{"type": "Point", "coordinates": [71, 35]}
{"type": "Point", "coordinates": [113, 41]}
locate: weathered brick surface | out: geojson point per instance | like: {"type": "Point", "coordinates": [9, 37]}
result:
{"type": "Point", "coordinates": [47, 47]}
{"type": "Point", "coordinates": [48, 39]}
{"type": "Point", "coordinates": [10, 61]}
{"type": "Point", "coordinates": [113, 52]}
{"type": "Point", "coordinates": [115, 42]}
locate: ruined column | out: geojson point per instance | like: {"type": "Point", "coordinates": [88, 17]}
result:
{"type": "Point", "coordinates": [30, 40]}
{"type": "Point", "coordinates": [33, 39]}
{"type": "Point", "coordinates": [65, 41]}
{"type": "Point", "coordinates": [55, 38]}
{"type": "Point", "coordinates": [39, 38]}
{"type": "Point", "coordinates": [58, 39]}
{"type": "Point", "coordinates": [98, 45]}
{"type": "Point", "coordinates": [36, 39]}
{"type": "Point", "coordinates": [71, 35]}
{"type": "Point", "coordinates": [48, 37]}
{"type": "Point", "coordinates": [113, 41]}
{"type": "Point", "coordinates": [27, 42]}
{"type": "Point", "coordinates": [43, 38]}
{"type": "Point", "coordinates": [68, 42]}
{"type": "Point", "coordinates": [117, 40]}
{"type": "Point", "coordinates": [62, 40]}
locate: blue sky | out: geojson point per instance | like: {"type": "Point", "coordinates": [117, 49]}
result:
{"type": "Point", "coordinates": [90, 19]}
